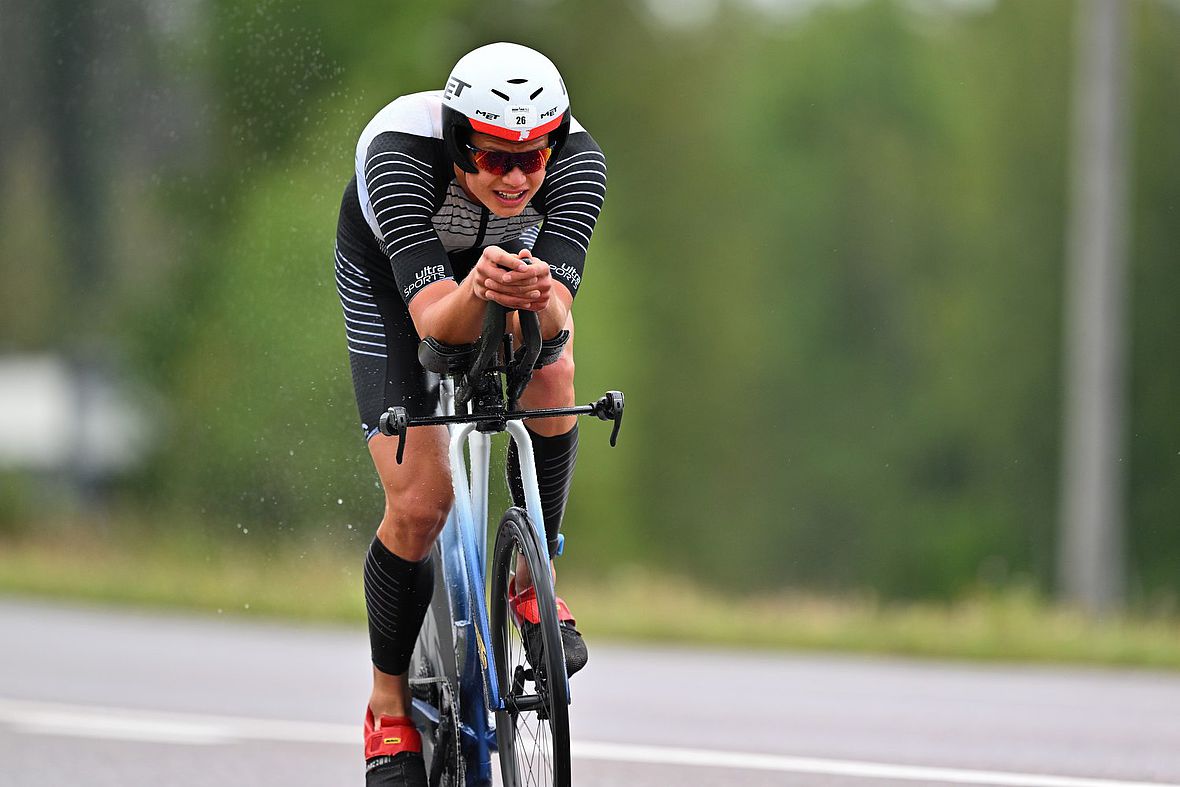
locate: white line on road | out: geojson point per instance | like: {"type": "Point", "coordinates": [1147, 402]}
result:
{"type": "Point", "coordinates": [89, 721]}
{"type": "Point", "coordinates": [662, 755]}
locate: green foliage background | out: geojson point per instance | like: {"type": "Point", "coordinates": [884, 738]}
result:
{"type": "Point", "coordinates": [827, 277]}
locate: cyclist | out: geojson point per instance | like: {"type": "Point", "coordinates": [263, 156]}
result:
{"type": "Point", "coordinates": [486, 190]}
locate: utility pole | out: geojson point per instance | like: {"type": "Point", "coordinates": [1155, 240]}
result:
{"type": "Point", "coordinates": [1092, 501]}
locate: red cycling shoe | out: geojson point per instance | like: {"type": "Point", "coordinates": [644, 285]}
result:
{"type": "Point", "coordinates": [393, 752]}
{"type": "Point", "coordinates": [528, 619]}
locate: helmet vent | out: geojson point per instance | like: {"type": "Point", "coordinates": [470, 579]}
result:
{"type": "Point", "coordinates": [501, 95]}
{"type": "Point", "coordinates": [517, 81]}
{"type": "Point", "coordinates": [536, 93]}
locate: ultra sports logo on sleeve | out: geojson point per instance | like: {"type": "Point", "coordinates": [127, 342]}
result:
{"type": "Point", "coordinates": [428, 275]}
{"type": "Point", "coordinates": [567, 273]}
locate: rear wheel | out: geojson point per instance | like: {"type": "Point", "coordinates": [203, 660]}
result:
{"type": "Point", "coordinates": [532, 733]}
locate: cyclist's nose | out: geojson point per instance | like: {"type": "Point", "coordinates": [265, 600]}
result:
{"type": "Point", "coordinates": [515, 177]}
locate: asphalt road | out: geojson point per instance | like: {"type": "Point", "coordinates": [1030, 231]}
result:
{"type": "Point", "coordinates": [101, 698]}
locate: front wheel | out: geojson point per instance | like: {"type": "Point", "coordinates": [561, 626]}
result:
{"type": "Point", "coordinates": [532, 732]}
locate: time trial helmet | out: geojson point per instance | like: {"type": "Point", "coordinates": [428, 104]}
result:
{"type": "Point", "coordinates": [506, 90]}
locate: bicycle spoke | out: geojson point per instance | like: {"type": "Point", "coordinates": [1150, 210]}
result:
{"type": "Point", "coordinates": [530, 738]}
{"type": "Point", "coordinates": [534, 763]}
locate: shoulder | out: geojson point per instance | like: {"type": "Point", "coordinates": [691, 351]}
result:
{"type": "Point", "coordinates": [581, 148]}
{"type": "Point", "coordinates": [580, 158]}
{"type": "Point", "coordinates": [417, 116]}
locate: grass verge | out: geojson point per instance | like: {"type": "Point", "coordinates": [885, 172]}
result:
{"type": "Point", "coordinates": [310, 583]}
{"type": "Point", "coordinates": [316, 584]}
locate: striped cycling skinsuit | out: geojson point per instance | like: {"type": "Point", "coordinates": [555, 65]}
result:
{"type": "Point", "coordinates": [405, 222]}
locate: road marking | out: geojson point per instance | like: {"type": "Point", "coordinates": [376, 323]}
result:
{"type": "Point", "coordinates": [89, 721]}
{"type": "Point", "coordinates": [663, 755]}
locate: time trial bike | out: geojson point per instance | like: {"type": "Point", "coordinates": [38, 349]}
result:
{"type": "Point", "coordinates": [476, 687]}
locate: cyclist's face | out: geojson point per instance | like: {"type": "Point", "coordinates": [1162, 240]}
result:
{"type": "Point", "coordinates": [507, 194]}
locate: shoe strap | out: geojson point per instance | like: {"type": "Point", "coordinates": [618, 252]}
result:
{"type": "Point", "coordinates": [391, 735]}
{"type": "Point", "coordinates": [526, 609]}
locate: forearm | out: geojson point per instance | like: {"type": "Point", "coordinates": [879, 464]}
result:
{"type": "Point", "coordinates": [556, 313]}
{"type": "Point", "coordinates": [455, 318]}
{"type": "Point", "coordinates": [454, 313]}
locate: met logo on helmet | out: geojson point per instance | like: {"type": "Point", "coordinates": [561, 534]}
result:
{"type": "Point", "coordinates": [548, 113]}
{"type": "Point", "coordinates": [455, 87]}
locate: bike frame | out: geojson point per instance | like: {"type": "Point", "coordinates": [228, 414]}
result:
{"type": "Point", "coordinates": [463, 544]}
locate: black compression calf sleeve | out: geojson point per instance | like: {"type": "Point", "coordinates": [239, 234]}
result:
{"type": "Point", "coordinates": [397, 593]}
{"type": "Point", "coordinates": [556, 458]}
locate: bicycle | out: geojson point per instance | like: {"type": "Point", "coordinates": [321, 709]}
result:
{"type": "Point", "coordinates": [470, 669]}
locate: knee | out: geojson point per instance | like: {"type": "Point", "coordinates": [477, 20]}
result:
{"type": "Point", "coordinates": [424, 511]}
{"type": "Point", "coordinates": [553, 385]}
{"type": "Point", "coordinates": [415, 517]}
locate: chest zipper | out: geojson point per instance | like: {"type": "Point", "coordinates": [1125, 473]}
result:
{"type": "Point", "coordinates": [483, 228]}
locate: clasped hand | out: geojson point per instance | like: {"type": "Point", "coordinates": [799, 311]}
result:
{"type": "Point", "coordinates": [516, 281]}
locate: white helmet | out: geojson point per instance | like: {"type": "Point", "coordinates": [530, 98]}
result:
{"type": "Point", "coordinates": [508, 91]}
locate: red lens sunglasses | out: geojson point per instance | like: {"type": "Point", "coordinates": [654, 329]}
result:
{"type": "Point", "coordinates": [501, 162]}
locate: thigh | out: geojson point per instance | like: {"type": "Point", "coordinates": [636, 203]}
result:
{"type": "Point", "coordinates": [423, 475]}
{"type": "Point", "coordinates": [418, 492]}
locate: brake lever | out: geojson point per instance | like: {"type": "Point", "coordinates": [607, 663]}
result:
{"type": "Point", "coordinates": [610, 408]}
{"type": "Point", "coordinates": [395, 421]}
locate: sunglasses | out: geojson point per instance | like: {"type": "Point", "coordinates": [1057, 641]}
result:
{"type": "Point", "coordinates": [501, 162]}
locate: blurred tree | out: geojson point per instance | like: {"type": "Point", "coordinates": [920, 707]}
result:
{"type": "Point", "coordinates": [1153, 450]}
{"type": "Point", "coordinates": [827, 277]}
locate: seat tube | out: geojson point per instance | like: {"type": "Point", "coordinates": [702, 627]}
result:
{"type": "Point", "coordinates": [528, 477]}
